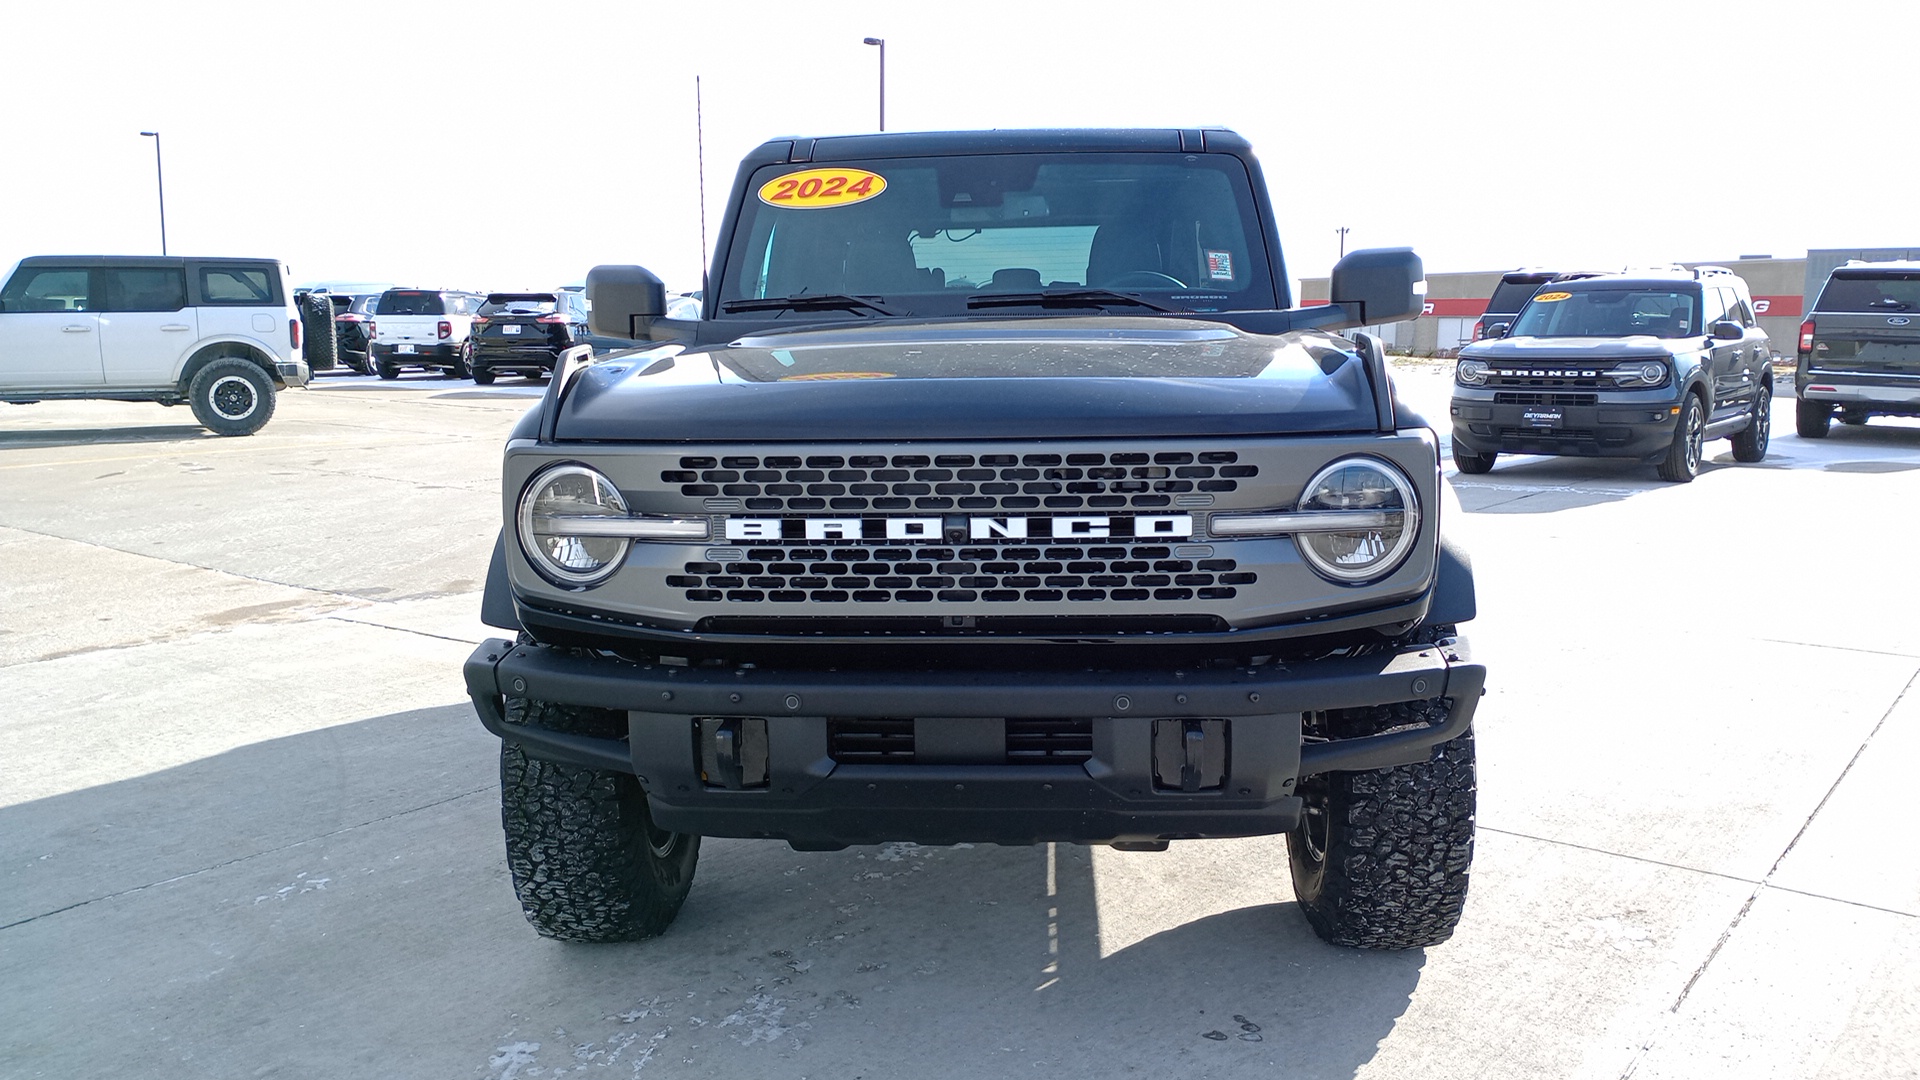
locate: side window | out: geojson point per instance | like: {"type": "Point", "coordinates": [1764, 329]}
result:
{"type": "Point", "coordinates": [141, 289]}
{"type": "Point", "coordinates": [238, 285]}
{"type": "Point", "coordinates": [1715, 300]}
{"type": "Point", "coordinates": [1742, 311]}
{"type": "Point", "coordinates": [48, 288]}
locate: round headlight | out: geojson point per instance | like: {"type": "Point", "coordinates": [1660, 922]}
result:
{"type": "Point", "coordinates": [1653, 373]}
{"type": "Point", "coordinates": [556, 498]}
{"type": "Point", "coordinates": [1368, 553]}
{"type": "Point", "coordinates": [1471, 372]}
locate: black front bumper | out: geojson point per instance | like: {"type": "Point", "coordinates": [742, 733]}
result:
{"type": "Point", "coordinates": [1121, 793]}
{"type": "Point", "coordinates": [1629, 428]}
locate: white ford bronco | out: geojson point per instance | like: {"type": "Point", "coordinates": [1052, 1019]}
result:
{"type": "Point", "coordinates": [218, 334]}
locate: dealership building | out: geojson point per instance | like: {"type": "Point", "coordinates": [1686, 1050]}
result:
{"type": "Point", "coordinates": [1783, 289]}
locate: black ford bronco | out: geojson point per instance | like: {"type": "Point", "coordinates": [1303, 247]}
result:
{"type": "Point", "coordinates": [997, 494]}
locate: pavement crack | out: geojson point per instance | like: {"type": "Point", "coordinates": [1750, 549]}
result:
{"type": "Point", "coordinates": [1764, 884]}
{"type": "Point", "coordinates": [246, 858]}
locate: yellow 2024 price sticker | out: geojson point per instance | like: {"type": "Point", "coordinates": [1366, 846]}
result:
{"type": "Point", "coordinates": [1550, 297]}
{"type": "Point", "coordinates": [815, 188]}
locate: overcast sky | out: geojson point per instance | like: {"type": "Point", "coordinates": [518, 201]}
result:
{"type": "Point", "coordinates": [499, 146]}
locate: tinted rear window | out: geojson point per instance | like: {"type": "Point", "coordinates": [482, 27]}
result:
{"type": "Point", "coordinates": [518, 305]}
{"type": "Point", "coordinates": [410, 302]}
{"type": "Point", "coordinates": [241, 286]}
{"type": "Point", "coordinates": [1510, 296]}
{"type": "Point", "coordinates": [1889, 293]}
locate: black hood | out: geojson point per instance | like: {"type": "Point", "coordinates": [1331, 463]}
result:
{"type": "Point", "coordinates": [1017, 378]}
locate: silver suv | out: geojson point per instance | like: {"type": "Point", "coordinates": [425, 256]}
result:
{"type": "Point", "coordinates": [218, 334]}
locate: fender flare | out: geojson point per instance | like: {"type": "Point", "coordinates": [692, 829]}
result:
{"type": "Point", "coordinates": [1454, 600]}
{"type": "Point", "coordinates": [496, 603]}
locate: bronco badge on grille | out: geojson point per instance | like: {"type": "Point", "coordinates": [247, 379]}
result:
{"type": "Point", "coordinates": [958, 527]}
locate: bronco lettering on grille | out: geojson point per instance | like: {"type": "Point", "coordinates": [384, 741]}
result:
{"type": "Point", "coordinates": [1123, 526]}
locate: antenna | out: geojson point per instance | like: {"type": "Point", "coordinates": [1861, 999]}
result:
{"type": "Point", "coordinates": [700, 150]}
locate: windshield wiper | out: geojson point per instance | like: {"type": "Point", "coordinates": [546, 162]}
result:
{"type": "Point", "coordinates": [1080, 298]}
{"type": "Point", "coordinates": [815, 302]}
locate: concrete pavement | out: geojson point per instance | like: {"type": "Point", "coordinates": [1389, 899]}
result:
{"type": "Point", "coordinates": [249, 825]}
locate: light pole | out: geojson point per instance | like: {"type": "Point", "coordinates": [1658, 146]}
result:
{"type": "Point", "coordinates": [160, 178]}
{"type": "Point", "coordinates": [1343, 231]}
{"type": "Point", "coordinates": [882, 42]}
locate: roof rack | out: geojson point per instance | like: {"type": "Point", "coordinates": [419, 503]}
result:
{"type": "Point", "coordinates": [1711, 271]}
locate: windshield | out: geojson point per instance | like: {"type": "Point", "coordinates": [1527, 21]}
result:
{"type": "Point", "coordinates": [1890, 294]}
{"type": "Point", "coordinates": [924, 235]}
{"type": "Point", "coordinates": [1666, 313]}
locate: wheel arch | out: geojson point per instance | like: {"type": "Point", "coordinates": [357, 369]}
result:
{"type": "Point", "coordinates": [207, 352]}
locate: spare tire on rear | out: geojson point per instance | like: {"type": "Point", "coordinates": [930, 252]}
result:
{"type": "Point", "coordinates": [322, 342]}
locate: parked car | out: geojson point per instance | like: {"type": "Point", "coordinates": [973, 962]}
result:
{"type": "Point", "coordinates": [1860, 348]}
{"type": "Point", "coordinates": [1515, 289]}
{"type": "Point", "coordinates": [524, 333]}
{"type": "Point", "coordinates": [221, 335]}
{"type": "Point", "coordinates": [352, 317]}
{"type": "Point", "coordinates": [1647, 365]}
{"type": "Point", "coordinates": [423, 328]}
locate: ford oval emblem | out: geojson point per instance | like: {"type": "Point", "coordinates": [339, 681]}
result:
{"type": "Point", "coordinates": [1898, 320]}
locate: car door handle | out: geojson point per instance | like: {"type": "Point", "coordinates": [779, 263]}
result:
{"type": "Point", "coordinates": [76, 329]}
{"type": "Point", "coordinates": [176, 326]}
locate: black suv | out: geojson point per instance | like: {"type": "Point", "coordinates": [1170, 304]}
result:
{"type": "Point", "coordinates": [1515, 289]}
{"type": "Point", "coordinates": [1860, 348]}
{"type": "Point", "coordinates": [1644, 365]}
{"type": "Point", "coordinates": [996, 492]}
{"type": "Point", "coordinates": [525, 333]}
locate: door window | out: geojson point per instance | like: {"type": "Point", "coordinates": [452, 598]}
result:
{"type": "Point", "coordinates": [48, 288]}
{"type": "Point", "coordinates": [1716, 302]}
{"type": "Point", "coordinates": [143, 289]}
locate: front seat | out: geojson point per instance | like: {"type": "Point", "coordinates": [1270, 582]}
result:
{"type": "Point", "coordinates": [1120, 248]}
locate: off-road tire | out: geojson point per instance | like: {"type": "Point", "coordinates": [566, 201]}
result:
{"type": "Point", "coordinates": [483, 377]}
{"type": "Point", "coordinates": [320, 339]}
{"type": "Point", "coordinates": [231, 396]}
{"type": "Point", "coordinates": [1682, 462]}
{"type": "Point", "coordinates": [587, 862]}
{"type": "Point", "coordinates": [1812, 418]}
{"type": "Point", "coordinates": [1471, 463]}
{"type": "Point", "coordinates": [1751, 445]}
{"type": "Point", "coordinates": [1382, 857]}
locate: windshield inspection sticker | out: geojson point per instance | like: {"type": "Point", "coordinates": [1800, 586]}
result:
{"type": "Point", "coordinates": [817, 188]}
{"type": "Point", "coordinates": [1219, 266]}
{"type": "Point", "coordinates": [1550, 297]}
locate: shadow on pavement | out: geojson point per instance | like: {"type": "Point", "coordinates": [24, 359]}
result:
{"type": "Point", "coordinates": [54, 437]}
{"type": "Point", "coordinates": [336, 903]}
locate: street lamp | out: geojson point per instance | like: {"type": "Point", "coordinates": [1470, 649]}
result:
{"type": "Point", "coordinates": [882, 42]}
{"type": "Point", "coordinates": [1343, 231]}
{"type": "Point", "coordinates": [160, 178]}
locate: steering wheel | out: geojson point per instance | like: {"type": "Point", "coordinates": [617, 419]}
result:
{"type": "Point", "coordinates": [1143, 279]}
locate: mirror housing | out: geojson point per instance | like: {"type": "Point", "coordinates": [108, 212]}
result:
{"type": "Point", "coordinates": [626, 300]}
{"type": "Point", "coordinates": [1728, 330]}
{"type": "Point", "coordinates": [1499, 330]}
{"type": "Point", "coordinates": [1380, 285]}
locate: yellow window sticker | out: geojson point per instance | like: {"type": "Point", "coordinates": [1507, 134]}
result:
{"type": "Point", "coordinates": [814, 188]}
{"type": "Point", "coordinates": [1550, 297]}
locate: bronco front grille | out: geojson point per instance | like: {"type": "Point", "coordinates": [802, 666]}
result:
{"type": "Point", "coordinates": [914, 574]}
{"type": "Point", "coordinates": [1029, 741]}
{"type": "Point", "coordinates": [1545, 399]}
{"type": "Point", "coordinates": [960, 481]}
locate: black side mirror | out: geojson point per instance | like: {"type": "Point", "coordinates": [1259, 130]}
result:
{"type": "Point", "coordinates": [1379, 285]}
{"type": "Point", "coordinates": [625, 301]}
{"type": "Point", "coordinates": [1499, 330]}
{"type": "Point", "coordinates": [1728, 330]}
